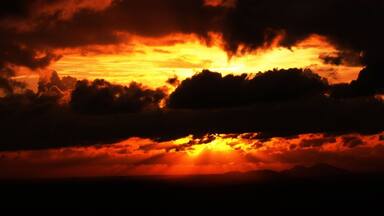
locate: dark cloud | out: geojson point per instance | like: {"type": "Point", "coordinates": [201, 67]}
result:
{"type": "Point", "coordinates": [345, 24]}
{"type": "Point", "coordinates": [368, 83]}
{"type": "Point", "coordinates": [348, 58]}
{"type": "Point", "coordinates": [30, 122]}
{"type": "Point", "coordinates": [7, 85]}
{"type": "Point", "coordinates": [23, 56]}
{"type": "Point", "coordinates": [343, 90]}
{"type": "Point", "coordinates": [25, 105]}
{"type": "Point", "coordinates": [101, 112]}
{"type": "Point", "coordinates": [145, 17]}
{"type": "Point", "coordinates": [100, 97]}
{"type": "Point", "coordinates": [56, 86]}
{"type": "Point", "coordinates": [174, 81]}
{"type": "Point", "coordinates": [12, 54]}
{"type": "Point", "coordinates": [211, 90]}
{"type": "Point", "coordinates": [317, 141]}
{"type": "Point", "coordinates": [34, 9]}
{"type": "Point", "coordinates": [350, 26]}
{"type": "Point", "coordinates": [352, 141]}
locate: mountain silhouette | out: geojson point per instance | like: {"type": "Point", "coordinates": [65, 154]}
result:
{"type": "Point", "coordinates": [317, 170]}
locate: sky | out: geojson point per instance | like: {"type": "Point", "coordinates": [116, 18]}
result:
{"type": "Point", "coordinates": [169, 87]}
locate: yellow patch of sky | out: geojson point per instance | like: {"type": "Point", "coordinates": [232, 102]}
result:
{"type": "Point", "coordinates": [152, 63]}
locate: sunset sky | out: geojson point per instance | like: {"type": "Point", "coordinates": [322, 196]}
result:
{"type": "Point", "coordinates": [184, 87]}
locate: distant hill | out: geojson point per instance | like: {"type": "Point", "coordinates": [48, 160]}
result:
{"type": "Point", "coordinates": [262, 176]}
{"type": "Point", "coordinates": [318, 170]}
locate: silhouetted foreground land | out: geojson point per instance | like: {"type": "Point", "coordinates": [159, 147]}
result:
{"type": "Point", "coordinates": [318, 190]}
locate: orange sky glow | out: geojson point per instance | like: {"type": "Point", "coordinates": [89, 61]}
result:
{"type": "Point", "coordinates": [210, 154]}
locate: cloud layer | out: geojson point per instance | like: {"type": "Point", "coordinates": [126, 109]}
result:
{"type": "Point", "coordinates": [208, 154]}
{"type": "Point", "coordinates": [100, 112]}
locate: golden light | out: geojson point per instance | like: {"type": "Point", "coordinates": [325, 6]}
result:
{"type": "Point", "coordinates": [217, 143]}
{"type": "Point", "coordinates": [153, 60]}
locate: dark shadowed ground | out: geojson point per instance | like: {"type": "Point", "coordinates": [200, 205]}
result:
{"type": "Point", "coordinates": [319, 190]}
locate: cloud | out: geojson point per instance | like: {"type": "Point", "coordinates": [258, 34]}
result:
{"type": "Point", "coordinates": [7, 85]}
{"type": "Point", "coordinates": [12, 54]}
{"type": "Point", "coordinates": [352, 141]}
{"type": "Point", "coordinates": [100, 97]}
{"type": "Point", "coordinates": [34, 9]}
{"type": "Point", "coordinates": [348, 58]}
{"type": "Point", "coordinates": [65, 9]}
{"type": "Point", "coordinates": [173, 81]}
{"type": "Point", "coordinates": [211, 90]}
{"type": "Point", "coordinates": [24, 56]}
{"type": "Point", "coordinates": [368, 83]}
{"type": "Point", "coordinates": [317, 142]}
{"type": "Point", "coordinates": [85, 27]}
{"type": "Point", "coordinates": [344, 24]}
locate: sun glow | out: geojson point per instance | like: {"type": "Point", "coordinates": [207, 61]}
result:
{"type": "Point", "coordinates": [218, 143]}
{"type": "Point", "coordinates": [152, 61]}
